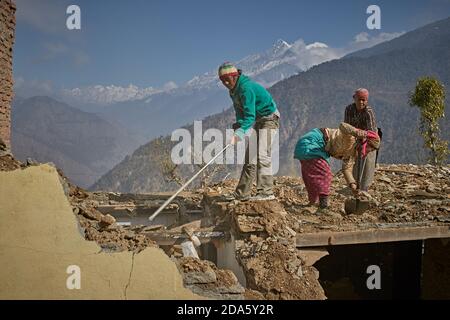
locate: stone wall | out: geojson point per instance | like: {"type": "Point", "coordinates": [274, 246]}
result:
{"type": "Point", "coordinates": [7, 27]}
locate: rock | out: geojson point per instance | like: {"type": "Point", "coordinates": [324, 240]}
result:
{"type": "Point", "coordinates": [196, 277]}
{"type": "Point", "coordinates": [205, 291]}
{"type": "Point", "coordinates": [239, 244]}
{"type": "Point", "coordinates": [315, 272]}
{"type": "Point", "coordinates": [334, 215]}
{"type": "Point", "coordinates": [108, 219]}
{"type": "Point", "coordinates": [390, 189]}
{"type": "Point", "coordinates": [423, 194]}
{"type": "Point", "coordinates": [309, 210]}
{"type": "Point", "coordinates": [292, 266]}
{"type": "Point", "coordinates": [31, 162]}
{"type": "Point", "coordinates": [430, 202]}
{"type": "Point", "coordinates": [385, 179]}
{"type": "Point", "coordinates": [91, 214]}
{"type": "Point", "coordinates": [431, 188]}
{"type": "Point", "coordinates": [300, 272]}
{"type": "Point", "coordinates": [228, 283]}
{"type": "Point", "coordinates": [189, 249]}
{"type": "Point", "coordinates": [291, 232]}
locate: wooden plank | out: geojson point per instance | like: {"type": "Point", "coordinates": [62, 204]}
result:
{"type": "Point", "coordinates": [402, 171]}
{"type": "Point", "coordinates": [166, 238]}
{"type": "Point", "coordinates": [371, 236]}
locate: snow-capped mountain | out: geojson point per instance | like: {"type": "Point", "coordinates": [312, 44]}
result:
{"type": "Point", "coordinates": [149, 112]}
{"type": "Point", "coordinates": [279, 62]}
{"type": "Point", "coordinates": [106, 95]}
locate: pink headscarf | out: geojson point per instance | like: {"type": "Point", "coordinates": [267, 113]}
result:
{"type": "Point", "coordinates": [361, 92]}
{"type": "Point", "coordinates": [374, 139]}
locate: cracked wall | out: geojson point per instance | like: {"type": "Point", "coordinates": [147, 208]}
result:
{"type": "Point", "coordinates": [40, 238]}
{"type": "Point", "coordinates": [7, 28]}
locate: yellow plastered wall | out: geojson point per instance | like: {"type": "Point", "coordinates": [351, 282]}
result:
{"type": "Point", "coordinates": [40, 239]}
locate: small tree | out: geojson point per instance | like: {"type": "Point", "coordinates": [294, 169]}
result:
{"type": "Point", "coordinates": [172, 172]}
{"type": "Point", "coordinates": [429, 96]}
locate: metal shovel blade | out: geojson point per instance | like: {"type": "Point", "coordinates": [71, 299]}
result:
{"type": "Point", "coordinates": [354, 206]}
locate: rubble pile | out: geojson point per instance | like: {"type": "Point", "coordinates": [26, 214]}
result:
{"type": "Point", "coordinates": [101, 228]}
{"type": "Point", "coordinates": [266, 246]}
{"type": "Point", "coordinates": [8, 163]}
{"type": "Point", "coordinates": [400, 194]}
{"type": "Point", "coordinates": [405, 193]}
{"type": "Point", "coordinates": [417, 194]}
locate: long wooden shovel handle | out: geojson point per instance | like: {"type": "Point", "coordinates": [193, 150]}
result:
{"type": "Point", "coordinates": [153, 216]}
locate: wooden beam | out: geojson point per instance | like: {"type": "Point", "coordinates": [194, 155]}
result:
{"type": "Point", "coordinates": [168, 239]}
{"type": "Point", "coordinates": [371, 236]}
{"type": "Point", "coordinates": [401, 171]}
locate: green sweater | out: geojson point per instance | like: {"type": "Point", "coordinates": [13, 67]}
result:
{"type": "Point", "coordinates": [250, 101]}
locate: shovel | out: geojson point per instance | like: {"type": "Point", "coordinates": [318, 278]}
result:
{"type": "Point", "coordinates": [355, 205]}
{"type": "Point", "coordinates": [165, 204]}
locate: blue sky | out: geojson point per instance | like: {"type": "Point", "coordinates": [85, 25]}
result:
{"type": "Point", "coordinates": [149, 43]}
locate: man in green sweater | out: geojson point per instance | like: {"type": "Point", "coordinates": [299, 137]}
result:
{"type": "Point", "coordinates": [254, 107]}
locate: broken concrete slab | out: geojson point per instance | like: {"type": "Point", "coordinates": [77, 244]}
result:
{"type": "Point", "coordinates": [189, 249]}
{"type": "Point", "coordinates": [40, 242]}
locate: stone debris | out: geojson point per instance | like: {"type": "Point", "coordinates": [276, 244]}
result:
{"type": "Point", "coordinates": [205, 279]}
{"type": "Point", "coordinates": [188, 249]}
{"type": "Point", "coordinates": [400, 194]}
{"type": "Point", "coordinates": [261, 259]}
{"type": "Point", "coordinates": [266, 245]}
{"type": "Point", "coordinates": [8, 163]}
{"type": "Point", "coordinates": [102, 228]}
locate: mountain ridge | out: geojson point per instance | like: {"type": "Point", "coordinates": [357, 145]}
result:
{"type": "Point", "coordinates": [83, 144]}
{"type": "Point", "coordinates": [317, 98]}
